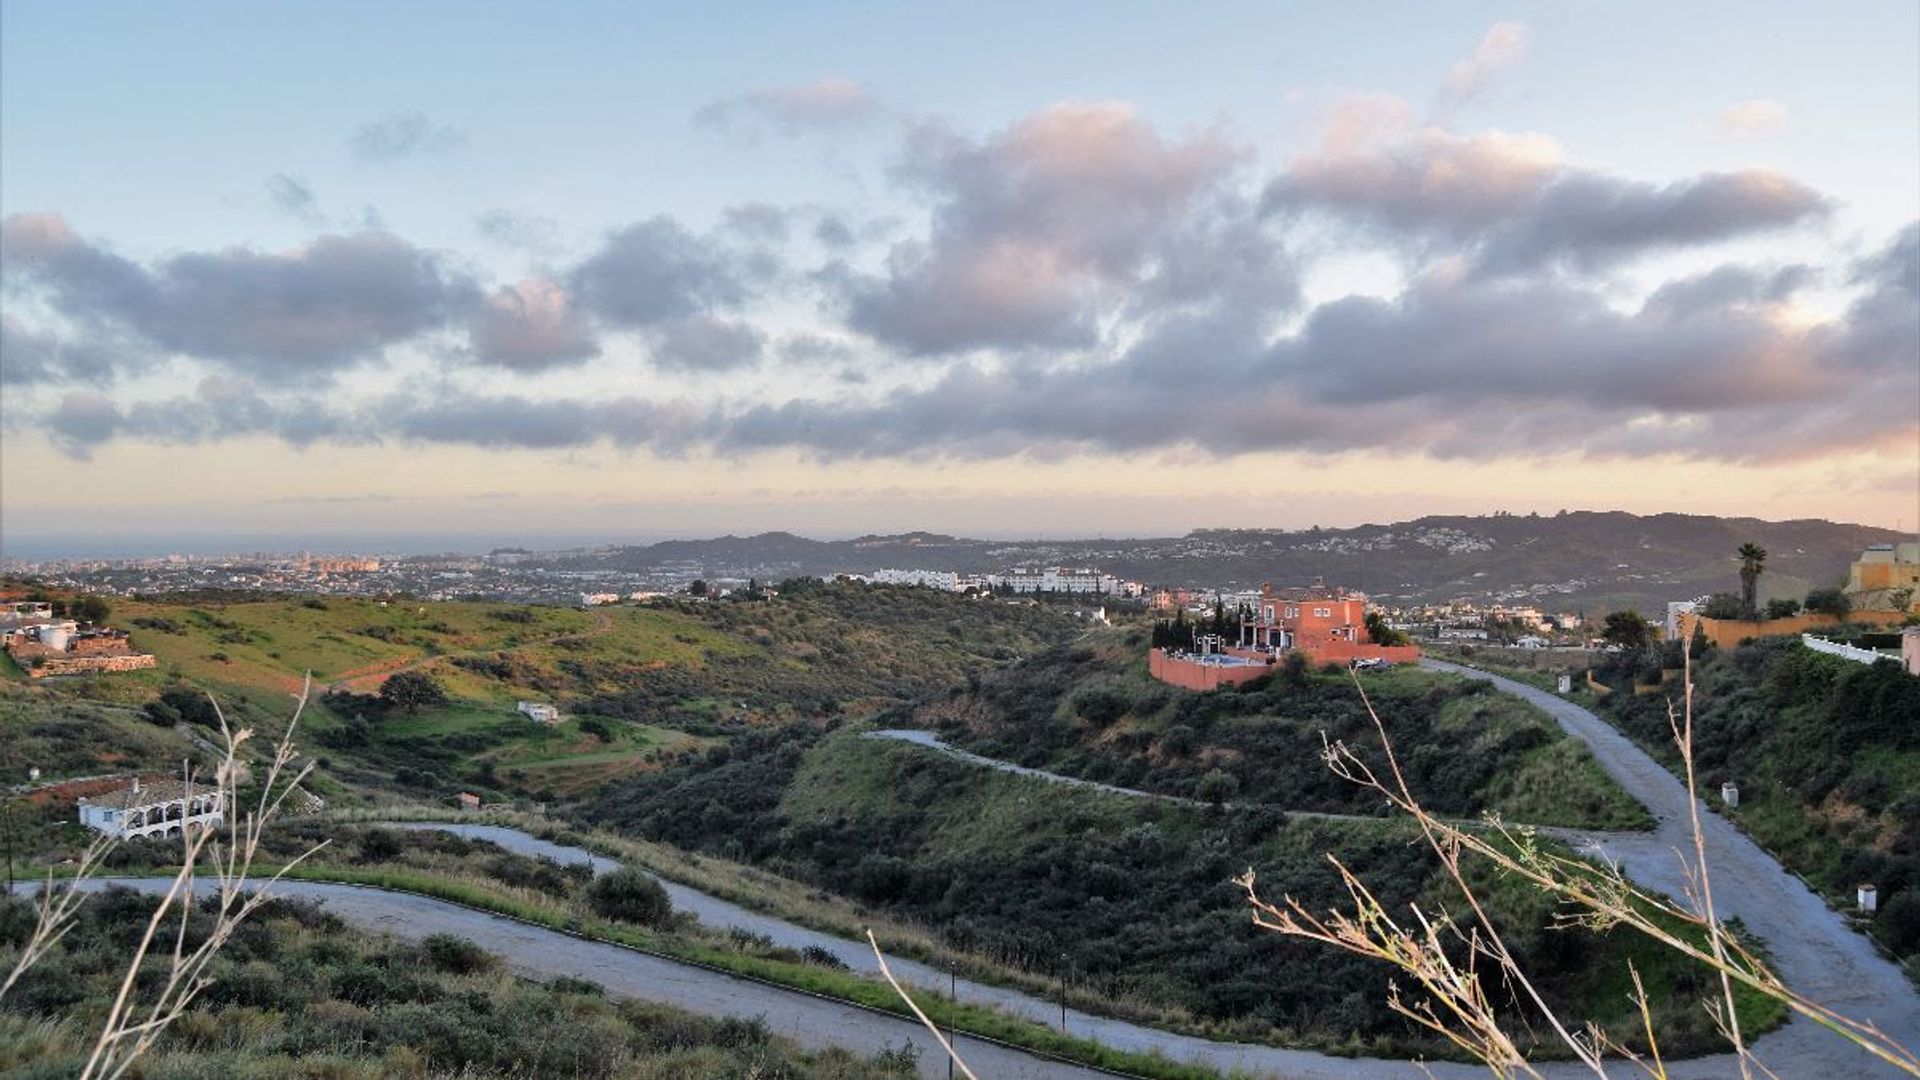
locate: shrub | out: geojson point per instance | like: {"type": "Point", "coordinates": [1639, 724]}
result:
{"type": "Point", "coordinates": [456, 955]}
{"type": "Point", "coordinates": [628, 895]}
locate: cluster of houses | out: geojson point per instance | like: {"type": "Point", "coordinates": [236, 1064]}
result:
{"type": "Point", "coordinates": [44, 645]}
{"type": "Point", "coordinates": [1052, 579]}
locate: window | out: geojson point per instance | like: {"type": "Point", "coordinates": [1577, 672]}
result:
{"type": "Point", "coordinates": [1322, 613]}
{"type": "Point", "coordinates": [1269, 612]}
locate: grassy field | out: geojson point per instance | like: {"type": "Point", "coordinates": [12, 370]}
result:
{"type": "Point", "coordinates": [639, 686]}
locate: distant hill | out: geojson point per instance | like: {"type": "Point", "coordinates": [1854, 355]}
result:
{"type": "Point", "coordinates": [1574, 560]}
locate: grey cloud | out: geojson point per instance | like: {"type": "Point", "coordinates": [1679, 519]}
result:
{"type": "Point", "coordinates": [29, 357]}
{"type": "Point", "coordinates": [1728, 285]}
{"type": "Point", "coordinates": [1506, 202]}
{"type": "Point", "coordinates": [704, 343]}
{"type": "Point", "coordinates": [830, 102]}
{"type": "Point", "coordinates": [832, 231]}
{"type": "Point", "coordinates": [530, 326]}
{"type": "Point", "coordinates": [1591, 221]}
{"type": "Point", "coordinates": [273, 316]}
{"type": "Point", "coordinates": [656, 270]}
{"type": "Point", "coordinates": [292, 197]}
{"type": "Point", "coordinates": [758, 221]}
{"type": "Point", "coordinates": [82, 421]}
{"type": "Point", "coordinates": [403, 135]}
{"type": "Point", "coordinates": [513, 229]}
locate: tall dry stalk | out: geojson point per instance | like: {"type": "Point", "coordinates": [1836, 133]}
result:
{"type": "Point", "coordinates": [137, 1018]}
{"type": "Point", "coordinates": [1592, 894]}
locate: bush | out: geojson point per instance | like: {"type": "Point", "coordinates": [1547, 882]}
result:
{"type": "Point", "coordinates": [456, 955]}
{"type": "Point", "coordinates": [1899, 922]}
{"type": "Point", "coordinates": [597, 728]}
{"type": "Point", "coordinates": [628, 895]}
{"type": "Point", "coordinates": [1829, 602]}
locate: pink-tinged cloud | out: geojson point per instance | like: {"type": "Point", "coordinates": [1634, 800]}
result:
{"type": "Point", "coordinates": [828, 102]}
{"type": "Point", "coordinates": [1757, 119]}
{"type": "Point", "coordinates": [530, 326]}
{"type": "Point", "coordinates": [1506, 43]}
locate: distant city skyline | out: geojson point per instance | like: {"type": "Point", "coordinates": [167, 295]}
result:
{"type": "Point", "coordinates": [617, 271]}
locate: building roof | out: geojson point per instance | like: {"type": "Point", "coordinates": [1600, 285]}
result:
{"type": "Point", "coordinates": [159, 791]}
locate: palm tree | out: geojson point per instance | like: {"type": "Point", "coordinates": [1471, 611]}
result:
{"type": "Point", "coordinates": [1753, 562]}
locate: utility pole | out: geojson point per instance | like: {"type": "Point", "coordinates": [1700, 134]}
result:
{"type": "Point", "coordinates": [1063, 993]}
{"type": "Point", "coordinates": [953, 1006]}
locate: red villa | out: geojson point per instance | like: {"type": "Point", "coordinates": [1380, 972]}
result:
{"type": "Point", "coordinates": [1327, 626]}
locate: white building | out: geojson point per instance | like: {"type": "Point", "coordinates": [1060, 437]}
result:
{"type": "Point", "coordinates": [161, 808]}
{"type": "Point", "coordinates": [540, 713]}
{"type": "Point", "coordinates": [1056, 579]}
{"type": "Point", "coordinates": [931, 579]}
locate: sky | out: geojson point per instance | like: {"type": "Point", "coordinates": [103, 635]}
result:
{"type": "Point", "coordinates": [396, 276]}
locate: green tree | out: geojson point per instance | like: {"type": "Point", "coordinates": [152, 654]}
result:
{"type": "Point", "coordinates": [1627, 629]}
{"type": "Point", "coordinates": [1830, 601]}
{"type": "Point", "coordinates": [1753, 563]}
{"type": "Point", "coordinates": [697, 587]}
{"type": "Point", "coordinates": [409, 690]}
{"type": "Point", "coordinates": [1782, 608]}
{"type": "Point", "coordinates": [1380, 633]}
{"type": "Point", "coordinates": [1725, 606]}
{"type": "Point", "coordinates": [89, 609]}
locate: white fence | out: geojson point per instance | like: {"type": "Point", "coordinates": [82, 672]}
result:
{"type": "Point", "coordinates": [1844, 652]}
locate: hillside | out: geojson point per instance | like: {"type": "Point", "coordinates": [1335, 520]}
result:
{"type": "Point", "coordinates": [1129, 898]}
{"type": "Point", "coordinates": [1826, 754]}
{"type": "Point", "coordinates": [1089, 710]}
{"type": "Point", "coordinates": [637, 685]}
{"type": "Point", "coordinates": [1569, 560]}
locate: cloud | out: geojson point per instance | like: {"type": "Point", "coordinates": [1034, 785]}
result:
{"type": "Point", "coordinates": [1759, 118]}
{"type": "Point", "coordinates": [704, 343]}
{"type": "Point", "coordinates": [1716, 366]}
{"type": "Point", "coordinates": [1510, 205]}
{"type": "Point", "coordinates": [833, 101]}
{"type": "Point", "coordinates": [404, 135]}
{"type": "Point", "coordinates": [530, 326]}
{"type": "Point", "coordinates": [1505, 44]}
{"type": "Point", "coordinates": [1037, 229]}
{"type": "Point", "coordinates": [656, 270]}
{"type": "Point", "coordinates": [292, 197]}
{"type": "Point", "coordinates": [758, 221]}
{"type": "Point", "coordinates": [29, 357]}
{"type": "Point", "coordinates": [273, 315]}
{"type": "Point", "coordinates": [522, 231]}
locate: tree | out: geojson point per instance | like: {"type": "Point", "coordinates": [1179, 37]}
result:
{"type": "Point", "coordinates": [697, 587]}
{"type": "Point", "coordinates": [1900, 599]}
{"type": "Point", "coordinates": [409, 690]}
{"type": "Point", "coordinates": [89, 609]}
{"type": "Point", "coordinates": [1627, 629]}
{"type": "Point", "coordinates": [629, 895]}
{"type": "Point", "coordinates": [1380, 633]}
{"type": "Point", "coordinates": [1753, 563]}
{"type": "Point", "coordinates": [1830, 601]}
{"type": "Point", "coordinates": [1725, 606]}
{"type": "Point", "coordinates": [1782, 608]}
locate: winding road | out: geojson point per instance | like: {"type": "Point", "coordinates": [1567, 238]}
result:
{"type": "Point", "coordinates": [1811, 945]}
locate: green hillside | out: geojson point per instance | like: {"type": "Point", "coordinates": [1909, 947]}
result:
{"type": "Point", "coordinates": [1090, 710]}
{"type": "Point", "coordinates": [1129, 898]}
{"type": "Point", "coordinates": [638, 685]}
{"type": "Point", "coordinates": [1826, 754]}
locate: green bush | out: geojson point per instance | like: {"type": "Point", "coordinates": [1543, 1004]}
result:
{"type": "Point", "coordinates": [628, 895]}
{"type": "Point", "coordinates": [456, 955]}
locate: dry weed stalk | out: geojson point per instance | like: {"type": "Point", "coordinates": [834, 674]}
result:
{"type": "Point", "coordinates": [1596, 895]}
{"type": "Point", "coordinates": [131, 1027]}
{"type": "Point", "coordinates": [952, 1054]}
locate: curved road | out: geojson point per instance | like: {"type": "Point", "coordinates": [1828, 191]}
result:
{"type": "Point", "coordinates": [1812, 947]}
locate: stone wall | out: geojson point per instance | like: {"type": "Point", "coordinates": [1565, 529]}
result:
{"type": "Point", "coordinates": [83, 665]}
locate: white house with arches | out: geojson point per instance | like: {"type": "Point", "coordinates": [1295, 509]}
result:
{"type": "Point", "coordinates": [152, 808]}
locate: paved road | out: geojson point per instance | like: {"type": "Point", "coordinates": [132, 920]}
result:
{"type": "Point", "coordinates": [810, 1021]}
{"type": "Point", "coordinates": [1812, 947]}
